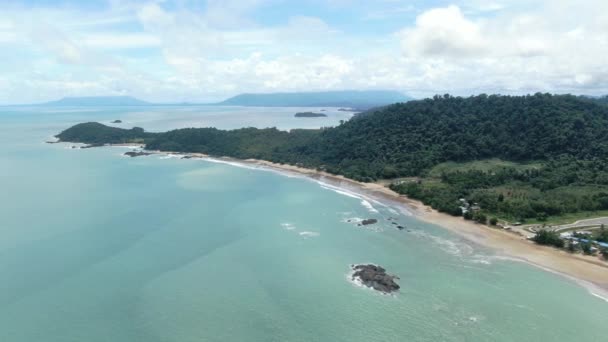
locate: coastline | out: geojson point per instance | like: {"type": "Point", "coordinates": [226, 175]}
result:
{"type": "Point", "coordinates": [586, 271]}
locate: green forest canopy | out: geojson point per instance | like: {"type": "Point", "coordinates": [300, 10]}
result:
{"type": "Point", "coordinates": [563, 135]}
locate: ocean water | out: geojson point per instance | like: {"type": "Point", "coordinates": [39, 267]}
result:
{"type": "Point", "coordinates": [95, 246]}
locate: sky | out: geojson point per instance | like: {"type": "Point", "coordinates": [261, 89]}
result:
{"type": "Point", "coordinates": [207, 50]}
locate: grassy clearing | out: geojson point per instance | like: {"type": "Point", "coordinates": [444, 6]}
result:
{"type": "Point", "coordinates": [507, 191]}
{"type": "Point", "coordinates": [480, 165]}
{"type": "Point", "coordinates": [569, 217]}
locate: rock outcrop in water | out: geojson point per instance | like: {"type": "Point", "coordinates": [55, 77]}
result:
{"type": "Point", "coordinates": [133, 154]}
{"type": "Point", "coordinates": [375, 277]}
{"type": "Point", "coordinates": [117, 121]}
{"type": "Point", "coordinates": [367, 222]}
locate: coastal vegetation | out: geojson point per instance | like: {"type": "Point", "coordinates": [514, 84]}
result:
{"type": "Point", "coordinates": [589, 242]}
{"type": "Point", "coordinates": [548, 238]}
{"type": "Point", "coordinates": [600, 99]}
{"type": "Point", "coordinates": [511, 158]}
{"type": "Point", "coordinates": [95, 133]}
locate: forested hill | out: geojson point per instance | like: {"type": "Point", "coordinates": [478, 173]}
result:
{"type": "Point", "coordinates": [405, 139]}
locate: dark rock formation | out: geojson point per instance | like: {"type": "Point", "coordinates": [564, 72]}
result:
{"type": "Point", "coordinates": [375, 277]}
{"type": "Point", "coordinates": [133, 154]}
{"type": "Point", "coordinates": [117, 121]}
{"type": "Point", "coordinates": [368, 222]}
{"type": "Point", "coordinates": [401, 227]}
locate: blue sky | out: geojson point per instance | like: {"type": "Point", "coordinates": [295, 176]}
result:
{"type": "Point", "coordinates": [186, 50]}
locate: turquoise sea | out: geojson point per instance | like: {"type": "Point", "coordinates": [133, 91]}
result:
{"type": "Point", "coordinates": [99, 247]}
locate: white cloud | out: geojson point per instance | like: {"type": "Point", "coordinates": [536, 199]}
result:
{"type": "Point", "coordinates": [121, 41]}
{"type": "Point", "coordinates": [210, 52]}
{"type": "Point", "coordinates": [444, 31]}
{"type": "Point", "coordinates": [230, 13]}
{"type": "Point", "coordinates": [57, 44]}
{"type": "Point", "coordinates": [541, 50]}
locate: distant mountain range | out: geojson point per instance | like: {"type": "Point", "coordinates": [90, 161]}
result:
{"type": "Point", "coordinates": [98, 101]}
{"type": "Point", "coordinates": [360, 100]}
{"type": "Point", "coordinates": [349, 98]}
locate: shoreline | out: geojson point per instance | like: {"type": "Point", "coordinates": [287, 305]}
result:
{"type": "Point", "coordinates": [588, 272]}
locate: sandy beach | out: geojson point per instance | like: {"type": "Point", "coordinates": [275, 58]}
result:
{"type": "Point", "coordinates": [587, 271]}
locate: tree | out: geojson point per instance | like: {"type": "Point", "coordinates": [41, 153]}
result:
{"type": "Point", "coordinates": [548, 238]}
{"type": "Point", "coordinates": [586, 248]}
{"type": "Point", "coordinates": [604, 252]}
{"type": "Point", "coordinates": [572, 247]}
{"type": "Point", "coordinates": [493, 221]}
{"type": "Point", "coordinates": [467, 215]}
{"type": "Point", "coordinates": [480, 218]}
{"type": "Point", "coordinates": [602, 234]}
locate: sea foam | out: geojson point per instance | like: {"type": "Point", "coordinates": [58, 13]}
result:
{"type": "Point", "coordinates": [307, 234]}
{"type": "Point", "coordinates": [288, 226]}
{"type": "Point", "coordinates": [365, 201]}
{"type": "Point", "coordinates": [369, 206]}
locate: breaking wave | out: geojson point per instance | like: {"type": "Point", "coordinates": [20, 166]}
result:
{"type": "Point", "coordinates": [307, 234]}
{"type": "Point", "coordinates": [288, 226]}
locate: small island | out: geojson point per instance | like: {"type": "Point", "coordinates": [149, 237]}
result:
{"type": "Point", "coordinates": [375, 277]}
{"type": "Point", "coordinates": [116, 121]}
{"type": "Point", "coordinates": [310, 115]}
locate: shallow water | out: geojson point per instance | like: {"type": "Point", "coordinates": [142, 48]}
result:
{"type": "Point", "coordinates": [99, 247]}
